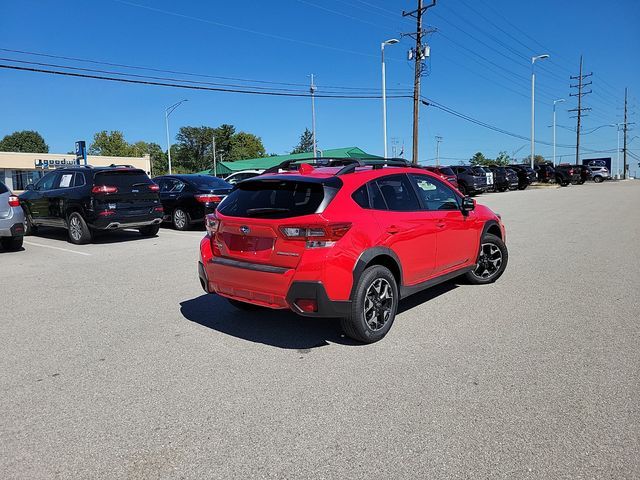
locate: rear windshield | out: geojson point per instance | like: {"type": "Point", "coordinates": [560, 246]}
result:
{"type": "Point", "coordinates": [273, 199]}
{"type": "Point", "coordinates": [446, 171]}
{"type": "Point", "coordinates": [479, 170]}
{"type": "Point", "coordinates": [205, 182]}
{"type": "Point", "coordinates": [122, 178]}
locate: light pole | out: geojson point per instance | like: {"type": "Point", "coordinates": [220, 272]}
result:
{"type": "Point", "coordinates": [312, 90]}
{"type": "Point", "coordinates": [168, 111]}
{"type": "Point", "coordinates": [533, 91]}
{"type": "Point", "coordinates": [391, 41]}
{"type": "Point", "coordinates": [554, 129]}
{"type": "Point", "coordinates": [438, 140]}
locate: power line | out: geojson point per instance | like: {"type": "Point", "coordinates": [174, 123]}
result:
{"type": "Point", "coordinates": [179, 72]}
{"type": "Point", "coordinates": [195, 87]}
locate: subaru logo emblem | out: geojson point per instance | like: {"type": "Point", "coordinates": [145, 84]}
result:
{"type": "Point", "coordinates": [244, 230]}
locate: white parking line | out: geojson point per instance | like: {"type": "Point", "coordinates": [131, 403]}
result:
{"type": "Point", "coordinates": [57, 248]}
{"type": "Point", "coordinates": [183, 234]}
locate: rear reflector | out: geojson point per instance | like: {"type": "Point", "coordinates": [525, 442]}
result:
{"type": "Point", "coordinates": [307, 304]}
{"type": "Point", "coordinates": [14, 201]}
{"type": "Point", "coordinates": [104, 189]}
{"type": "Point", "coordinates": [207, 198]}
{"type": "Point", "coordinates": [159, 209]}
{"type": "Point", "coordinates": [106, 213]}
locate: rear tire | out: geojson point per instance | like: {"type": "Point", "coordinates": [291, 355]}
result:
{"type": "Point", "coordinates": [180, 219]}
{"type": "Point", "coordinates": [492, 261]}
{"type": "Point", "coordinates": [149, 230]}
{"type": "Point", "coordinates": [373, 306]}
{"type": "Point", "coordinates": [11, 244]}
{"type": "Point", "coordinates": [597, 179]}
{"type": "Point", "coordinates": [29, 227]}
{"type": "Point", "coordinates": [78, 229]}
{"type": "Point", "coordinates": [462, 188]}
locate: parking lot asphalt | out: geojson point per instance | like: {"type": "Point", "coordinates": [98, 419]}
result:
{"type": "Point", "coordinates": [115, 364]}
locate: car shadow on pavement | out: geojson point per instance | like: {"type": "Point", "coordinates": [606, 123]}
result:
{"type": "Point", "coordinates": [278, 328]}
{"type": "Point", "coordinates": [425, 295]}
{"type": "Point", "coordinates": [102, 237]}
{"type": "Point", "coordinates": [283, 328]}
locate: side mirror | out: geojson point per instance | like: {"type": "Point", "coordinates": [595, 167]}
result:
{"type": "Point", "coordinates": [30, 186]}
{"type": "Point", "coordinates": [468, 204]}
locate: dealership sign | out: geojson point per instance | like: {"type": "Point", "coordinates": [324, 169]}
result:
{"type": "Point", "coordinates": [47, 164]}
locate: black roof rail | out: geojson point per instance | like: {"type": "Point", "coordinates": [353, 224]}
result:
{"type": "Point", "coordinates": [350, 167]}
{"type": "Point", "coordinates": [388, 162]}
{"type": "Point", "coordinates": [121, 165]}
{"type": "Point", "coordinates": [317, 161]}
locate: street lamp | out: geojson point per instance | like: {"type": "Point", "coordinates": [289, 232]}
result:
{"type": "Point", "coordinates": [554, 129]}
{"type": "Point", "coordinates": [168, 111]}
{"type": "Point", "coordinates": [533, 89]}
{"type": "Point", "coordinates": [391, 41]}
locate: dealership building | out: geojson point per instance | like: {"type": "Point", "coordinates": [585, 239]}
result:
{"type": "Point", "coordinates": [17, 170]}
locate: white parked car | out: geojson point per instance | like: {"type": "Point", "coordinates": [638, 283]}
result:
{"type": "Point", "coordinates": [600, 174]}
{"type": "Point", "coordinates": [243, 175]}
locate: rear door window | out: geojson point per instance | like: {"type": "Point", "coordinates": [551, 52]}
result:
{"type": "Point", "coordinates": [273, 199]}
{"type": "Point", "coordinates": [398, 193]}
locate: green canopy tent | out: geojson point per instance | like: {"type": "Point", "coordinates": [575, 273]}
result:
{"type": "Point", "coordinates": [262, 163]}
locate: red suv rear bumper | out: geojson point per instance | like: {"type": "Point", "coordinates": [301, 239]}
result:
{"type": "Point", "coordinates": [265, 285]}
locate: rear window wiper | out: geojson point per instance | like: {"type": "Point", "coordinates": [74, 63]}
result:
{"type": "Point", "coordinates": [266, 210]}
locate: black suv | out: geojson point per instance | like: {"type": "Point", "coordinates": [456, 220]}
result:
{"type": "Point", "coordinates": [566, 174]}
{"type": "Point", "coordinates": [83, 199]}
{"type": "Point", "coordinates": [546, 173]}
{"type": "Point", "coordinates": [503, 178]}
{"type": "Point", "coordinates": [470, 182]}
{"type": "Point", "coordinates": [188, 198]}
{"type": "Point", "coordinates": [585, 173]}
{"type": "Point", "coordinates": [526, 175]}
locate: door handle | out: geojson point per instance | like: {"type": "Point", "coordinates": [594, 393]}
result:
{"type": "Point", "coordinates": [393, 229]}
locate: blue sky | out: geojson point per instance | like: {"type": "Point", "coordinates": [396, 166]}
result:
{"type": "Point", "coordinates": [479, 66]}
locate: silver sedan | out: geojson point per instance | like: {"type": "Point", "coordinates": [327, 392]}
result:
{"type": "Point", "coordinates": [11, 220]}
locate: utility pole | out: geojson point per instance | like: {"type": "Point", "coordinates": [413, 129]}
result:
{"type": "Point", "coordinates": [580, 108]}
{"type": "Point", "coordinates": [213, 146]}
{"type": "Point", "coordinates": [438, 140]}
{"type": "Point", "coordinates": [624, 147]}
{"type": "Point", "coordinates": [313, 117]}
{"type": "Point", "coordinates": [419, 55]}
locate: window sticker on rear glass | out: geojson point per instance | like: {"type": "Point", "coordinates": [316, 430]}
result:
{"type": "Point", "coordinates": [65, 180]}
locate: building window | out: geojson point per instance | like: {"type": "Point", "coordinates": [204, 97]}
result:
{"type": "Point", "coordinates": [22, 178]}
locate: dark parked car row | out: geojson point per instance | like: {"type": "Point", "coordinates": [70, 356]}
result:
{"type": "Point", "coordinates": [473, 180]}
{"type": "Point", "coordinates": [85, 200]}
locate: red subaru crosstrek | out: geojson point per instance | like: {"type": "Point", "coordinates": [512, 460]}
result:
{"type": "Point", "coordinates": [347, 241]}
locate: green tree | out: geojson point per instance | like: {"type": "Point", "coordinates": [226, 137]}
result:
{"type": "Point", "coordinates": [503, 159]}
{"type": "Point", "coordinates": [110, 144]}
{"type": "Point", "coordinates": [194, 150]}
{"type": "Point", "coordinates": [478, 159]}
{"type": "Point", "coordinates": [27, 141]}
{"type": "Point", "coordinates": [246, 145]}
{"type": "Point", "coordinates": [538, 159]}
{"type": "Point", "coordinates": [306, 142]}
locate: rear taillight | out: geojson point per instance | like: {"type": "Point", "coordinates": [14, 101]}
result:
{"type": "Point", "coordinates": [207, 198]}
{"type": "Point", "coordinates": [154, 187]}
{"type": "Point", "coordinates": [14, 201]}
{"type": "Point", "coordinates": [316, 236]}
{"type": "Point", "coordinates": [159, 208]}
{"type": "Point", "coordinates": [211, 224]}
{"type": "Point", "coordinates": [104, 189]}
